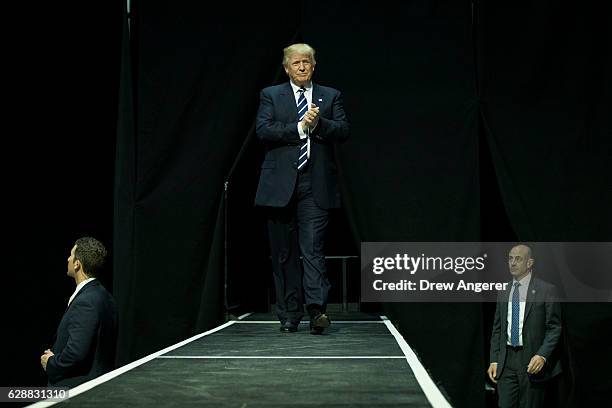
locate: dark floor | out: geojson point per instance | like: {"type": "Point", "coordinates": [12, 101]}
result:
{"type": "Point", "coordinates": [253, 364]}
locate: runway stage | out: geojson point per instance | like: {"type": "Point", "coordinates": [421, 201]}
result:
{"type": "Point", "coordinates": [360, 361]}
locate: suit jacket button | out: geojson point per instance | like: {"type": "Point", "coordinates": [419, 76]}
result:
{"type": "Point", "coordinates": [295, 163]}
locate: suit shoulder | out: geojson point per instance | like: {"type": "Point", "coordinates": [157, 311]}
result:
{"type": "Point", "coordinates": [95, 294]}
{"type": "Point", "coordinates": [543, 284]}
{"type": "Point", "coordinates": [274, 89]}
{"type": "Point", "coordinates": [327, 89]}
{"type": "Point", "coordinates": [545, 287]}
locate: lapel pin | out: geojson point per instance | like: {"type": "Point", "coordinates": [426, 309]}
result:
{"type": "Point", "coordinates": [320, 100]}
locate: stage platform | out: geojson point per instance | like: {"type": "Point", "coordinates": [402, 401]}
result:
{"type": "Point", "coordinates": [360, 361]}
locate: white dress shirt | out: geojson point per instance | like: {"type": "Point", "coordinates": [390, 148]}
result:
{"type": "Point", "coordinates": [78, 288]}
{"type": "Point", "coordinates": [308, 96]}
{"type": "Point", "coordinates": [524, 285]}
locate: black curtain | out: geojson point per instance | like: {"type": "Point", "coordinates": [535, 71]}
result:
{"type": "Point", "coordinates": [197, 73]}
{"type": "Point", "coordinates": [450, 102]}
{"type": "Point", "coordinates": [422, 81]}
{"type": "Point", "coordinates": [545, 99]}
{"type": "Point", "coordinates": [59, 143]}
{"type": "Point", "coordinates": [410, 170]}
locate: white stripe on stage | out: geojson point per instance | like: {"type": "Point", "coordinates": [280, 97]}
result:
{"type": "Point", "coordinates": [432, 392]}
{"type": "Point", "coordinates": [307, 322]}
{"type": "Point", "coordinates": [284, 357]}
{"type": "Point", "coordinates": [73, 392]}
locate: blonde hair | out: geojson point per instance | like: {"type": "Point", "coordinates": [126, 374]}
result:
{"type": "Point", "coordinates": [298, 49]}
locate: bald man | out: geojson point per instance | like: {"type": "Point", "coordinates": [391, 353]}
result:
{"type": "Point", "coordinates": [526, 333]}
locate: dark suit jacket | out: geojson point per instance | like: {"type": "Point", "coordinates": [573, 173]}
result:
{"type": "Point", "coordinates": [541, 328]}
{"type": "Point", "coordinates": [86, 341]}
{"type": "Point", "coordinates": [277, 127]}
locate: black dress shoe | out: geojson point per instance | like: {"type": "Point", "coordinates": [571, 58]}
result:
{"type": "Point", "coordinates": [288, 327]}
{"type": "Point", "coordinates": [316, 330]}
{"type": "Point", "coordinates": [318, 323]}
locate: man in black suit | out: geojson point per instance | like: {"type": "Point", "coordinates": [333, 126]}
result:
{"type": "Point", "coordinates": [299, 122]}
{"type": "Point", "coordinates": [526, 333]}
{"type": "Point", "coordinates": [86, 338]}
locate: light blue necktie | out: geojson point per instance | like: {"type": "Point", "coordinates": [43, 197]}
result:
{"type": "Point", "coordinates": [516, 313]}
{"type": "Point", "coordinates": [302, 107]}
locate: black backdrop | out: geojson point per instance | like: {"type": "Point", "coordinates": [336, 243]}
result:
{"type": "Point", "coordinates": [448, 101]}
{"type": "Point", "coordinates": [59, 153]}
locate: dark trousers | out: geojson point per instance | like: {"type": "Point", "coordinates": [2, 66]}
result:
{"type": "Point", "coordinates": [514, 387]}
{"type": "Point", "coordinates": [299, 229]}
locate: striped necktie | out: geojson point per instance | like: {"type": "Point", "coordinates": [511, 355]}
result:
{"type": "Point", "coordinates": [302, 107]}
{"type": "Point", "coordinates": [516, 311]}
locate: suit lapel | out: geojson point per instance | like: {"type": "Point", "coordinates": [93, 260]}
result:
{"type": "Point", "coordinates": [504, 309]}
{"type": "Point", "coordinates": [83, 289]}
{"type": "Point", "coordinates": [317, 96]}
{"type": "Point", "coordinates": [289, 97]}
{"type": "Point", "coordinates": [531, 293]}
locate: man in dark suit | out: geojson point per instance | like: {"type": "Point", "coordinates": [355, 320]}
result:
{"type": "Point", "coordinates": [526, 332]}
{"type": "Point", "coordinates": [299, 122]}
{"type": "Point", "coordinates": [86, 338]}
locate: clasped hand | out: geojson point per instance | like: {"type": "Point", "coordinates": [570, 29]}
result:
{"type": "Point", "coordinates": [45, 357]}
{"type": "Point", "coordinates": [311, 118]}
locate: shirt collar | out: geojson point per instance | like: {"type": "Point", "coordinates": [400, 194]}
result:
{"type": "Point", "coordinates": [296, 88]}
{"type": "Point", "coordinates": [524, 280]}
{"type": "Point", "coordinates": [78, 289]}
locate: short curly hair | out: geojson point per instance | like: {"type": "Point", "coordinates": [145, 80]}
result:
{"type": "Point", "coordinates": [92, 255]}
